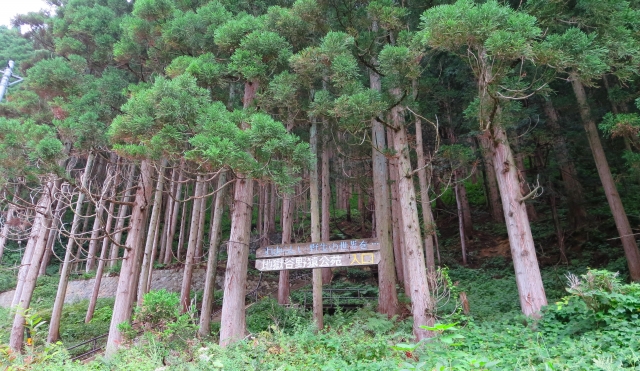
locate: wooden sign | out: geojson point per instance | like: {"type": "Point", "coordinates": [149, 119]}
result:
{"type": "Point", "coordinates": [319, 261]}
{"type": "Point", "coordinates": [312, 248]}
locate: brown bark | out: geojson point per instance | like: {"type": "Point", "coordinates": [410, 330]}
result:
{"type": "Point", "coordinates": [421, 304]}
{"type": "Point", "coordinates": [388, 295]}
{"type": "Point", "coordinates": [184, 220]}
{"type": "Point", "coordinates": [314, 195]}
{"type": "Point", "coordinates": [233, 307]}
{"type": "Point", "coordinates": [133, 249]}
{"type": "Point", "coordinates": [325, 233]}
{"type": "Point", "coordinates": [427, 213]}
{"type": "Point", "coordinates": [570, 181]}
{"type": "Point", "coordinates": [287, 228]}
{"type": "Point", "coordinates": [212, 261]}
{"type": "Point", "coordinates": [396, 221]}
{"type": "Point", "coordinates": [493, 194]}
{"type": "Point", "coordinates": [201, 224]}
{"type": "Point", "coordinates": [191, 247]}
{"type": "Point", "coordinates": [56, 313]}
{"type": "Point", "coordinates": [613, 198]}
{"type": "Point", "coordinates": [528, 279]}
{"type": "Point", "coordinates": [168, 253]}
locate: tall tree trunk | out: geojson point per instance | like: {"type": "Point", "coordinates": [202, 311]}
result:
{"type": "Point", "coordinates": [39, 234]}
{"type": "Point", "coordinates": [53, 233]}
{"type": "Point", "coordinates": [427, 213]}
{"type": "Point", "coordinates": [98, 223]}
{"type": "Point", "coordinates": [570, 181]}
{"type": "Point", "coordinates": [183, 225]}
{"type": "Point", "coordinates": [314, 195]}
{"type": "Point", "coordinates": [522, 175]}
{"type": "Point", "coordinates": [492, 186]}
{"type": "Point", "coordinates": [287, 228]}
{"type": "Point", "coordinates": [168, 254]}
{"type": "Point", "coordinates": [101, 262]}
{"type": "Point", "coordinates": [421, 304]}
{"type": "Point", "coordinates": [56, 313]}
{"type": "Point", "coordinates": [271, 227]}
{"type": "Point", "coordinates": [325, 233]}
{"type": "Point", "coordinates": [212, 261]}
{"type": "Point", "coordinates": [532, 296]}
{"type": "Point", "coordinates": [235, 280]}
{"type": "Point", "coordinates": [133, 249]}
{"type": "Point", "coordinates": [168, 215]}
{"type": "Point", "coordinates": [7, 222]}
{"type": "Point", "coordinates": [461, 228]}
{"type": "Point", "coordinates": [615, 204]}
{"type": "Point", "coordinates": [388, 295]}
{"type": "Point", "coordinates": [396, 220]}
{"type": "Point", "coordinates": [201, 225]}
{"type": "Point", "coordinates": [198, 202]}
{"type": "Point", "coordinates": [121, 218]}
{"type": "Point", "coordinates": [152, 233]}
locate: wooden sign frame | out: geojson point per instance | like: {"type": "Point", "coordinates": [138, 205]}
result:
{"type": "Point", "coordinates": [319, 261]}
{"type": "Point", "coordinates": [312, 248]}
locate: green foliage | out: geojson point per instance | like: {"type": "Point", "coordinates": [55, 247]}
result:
{"type": "Point", "coordinates": [268, 315]}
{"type": "Point", "coordinates": [158, 308]}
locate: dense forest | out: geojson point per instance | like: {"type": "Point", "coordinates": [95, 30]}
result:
{"type": "Point", "coordinates": [489, 152]}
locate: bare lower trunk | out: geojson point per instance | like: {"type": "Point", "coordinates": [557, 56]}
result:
{"type": "Point", "coordinates": [287, 228]}
{"type": "Point", "coordinates": [201, 221]}
{"type": "Point", "coordinates": [152, 233]}
{"type": "Point", "coordinates": [233, 307]}
{"type": "Point", "coordinates": [212, 261]}
{"type": "Point", "coordinates": [56, 313]}
{"type": "Point", "coordinates": [168, 216]}
{"type": "Point", "coordinates": [463, 236]}
{"type": "Point", "coordinates": [524, 189]}
{"type": "Point", "coordinates": [396, 220]}
{"type": "Point", "coordinates": [388, 295]}
{"type": "Point", "coordinates": [122, 214]}
{"type": "Point", "coordinates": [493, 195]}
{"type": "Point", "coordinates": [7, 222]}
{"type": "Point", "coordinates": [183, 226]}
{"type": "Point", "coordinates": [101, 263]}
{"type": "Point", "coordinates": [525, 263]}
{"type": "Point", "coordinates": [43, 213]}
{"type": "Point", "coordinates": [191, 247]}
{"type": "Point", "coordinates": [570, 181]}
{"type": "Point", "coordinates": [558, 227]}
{"type": "Point", "coordinates": [53, 233]}
{"type": "Point", "coordinates": [613, 198]}
{"type": "Point", "coordinates": [314, 195]}
{"type": "Point", "coordinates": [168, 254]}
{"type": "Point", "coordinates": [133, 248]}
{"type": "Point", "coordinates": [271, 227]}
{"type": "Point", "coordinates": [325, 234]}
{"type": "Point", "coordinates": [415, 269]}
{"type": "Point", "coordinates": [427, 214]}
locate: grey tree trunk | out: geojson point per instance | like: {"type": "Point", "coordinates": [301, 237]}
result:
{"type": "Point", "coordinates": [198, 201]}
{"type": "Point", "coordinates": [101, 263]}
{"type": "Point", "coordinates": [40, 233]}
{"type": "Point", "coordinates": [212, 261]}
{"type": "Point", "coordinates": [168, 254]}
{"type": "Point", "coordinates": [613, 198]}
{"type": "Point", "coordinates": [396, 220]}
{"type": "Point", "coordinates": [427, 213]}
{"type": "Point", "coordinates": [133, 249]}
{"type": "Point", "coordinates": [123, 210]}
{"type": "Point", "coordinates": [152, 233]}
{"type": "Point", "coordinates": [388, 295]}
{"type": "Point", "coordinates": [56, 313]}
